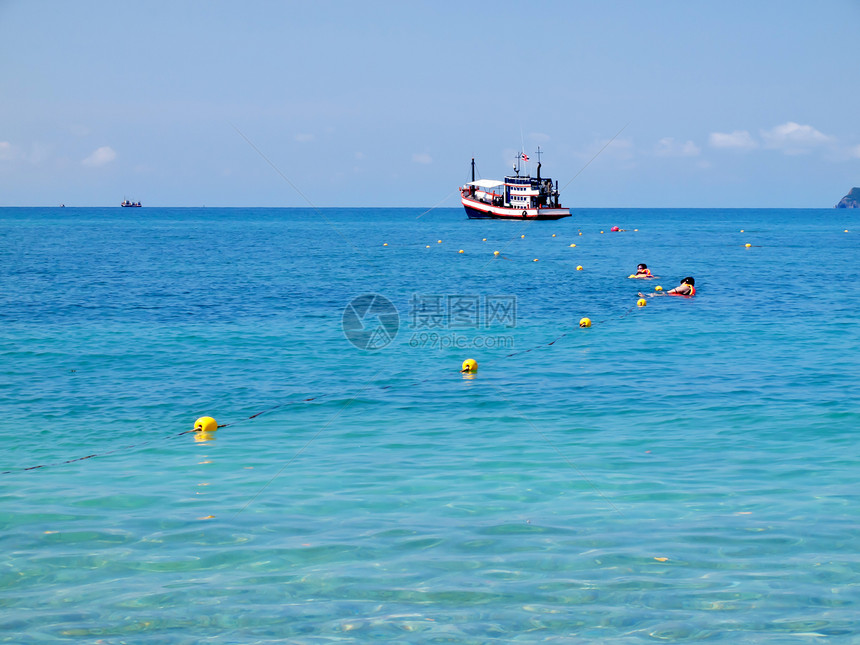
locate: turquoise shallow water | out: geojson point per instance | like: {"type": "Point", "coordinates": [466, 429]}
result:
{"type": "Point", "coordinates": [685, 471]}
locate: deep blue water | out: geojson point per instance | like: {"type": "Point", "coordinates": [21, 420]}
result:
{"type": "Point", "coordinates": [684, 471]}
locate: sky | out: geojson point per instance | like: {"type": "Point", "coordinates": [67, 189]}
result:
{"type": "Point", "coordinates": [727, 104]}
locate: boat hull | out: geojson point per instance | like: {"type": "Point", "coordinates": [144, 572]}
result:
{"type": "Point", "coordinates": [481, 210]}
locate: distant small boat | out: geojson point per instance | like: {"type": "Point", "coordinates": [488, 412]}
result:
{"type": "Point", "coordinates": [518, 197]}
{"type": "Point", "coordinates": [128, 204]}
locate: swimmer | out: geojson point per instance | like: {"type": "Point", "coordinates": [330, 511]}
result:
{"type": "Point", "coordinates": [686, 288]}
{"type": "Point", "coordinates": [642, 271]}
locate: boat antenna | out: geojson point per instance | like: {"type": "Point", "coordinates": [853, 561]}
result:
{"type": "Point", "coordinates": [594, 157]}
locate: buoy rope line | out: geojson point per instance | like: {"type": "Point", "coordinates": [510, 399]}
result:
{"type": "Point", "coordinates": [366, 385]}
{"type": "Point", "coordinates": [558, 338]}
{"type": "Point", "coordinates": [101, 454]}
{"type": "Point", "coordinates": [307, 399]}
{"type": "Point", "coordinates": [317, 398]}
{"type": "Point", "coordinates": [411, 384]}
{"type": "Point", "coordinates": [525, 223]}
{"type": "Point", "coordinates": [165, 438]}
{"type": "Point", "coordinates": [470, 366]}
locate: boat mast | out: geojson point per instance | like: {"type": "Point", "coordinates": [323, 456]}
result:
{"type": "Point", "coordinates": [473, 169]}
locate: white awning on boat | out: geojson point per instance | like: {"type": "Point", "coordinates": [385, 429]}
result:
{"type": "Point", "coordinates": [486, 183]}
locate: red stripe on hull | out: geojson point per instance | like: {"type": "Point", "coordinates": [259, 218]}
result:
{"type": "Point", "coordinates": [482, 210]}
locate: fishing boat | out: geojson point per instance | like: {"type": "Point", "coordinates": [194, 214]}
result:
{"type": "Point", "coordinates": [517, 197]}
{"type": "Point", "coordinates": [128, 204]}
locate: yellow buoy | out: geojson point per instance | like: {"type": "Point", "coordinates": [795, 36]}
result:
{"type": "Point", "coordinates": [385, 244]}
{"type": "Point", "coordinates": [742, 230]}
{"type": "Point", "coordinates": [438, 241]}
{"type": "Point", "coordinates": [535, 260]}
{"type": "Point", "coordinates": [495, 252]}
{"type": "Point", "coordinates": [658, 288]}
{"type": "Point", "coordinates": [427, 247]}
{"type": "Point", "coordinates": [580, 232]}
{"type": "Point", "coordinates": [601, 231]}
{"type": "Point", "coordinates": [572, 245]}
{"type": "Point", "coordinates": [641, 302]}
{"type": "Point", "coordinates": [553, 234]}
{"type": "Point", "coordinates": [470, 365]}
{"type": "Point", "coordinates": [579, 268]}
{"type": "Point", "coordinates": [205, 424]}
{"type": "Point", "coordinates": [461, 251]}
{"type": "Point", "coordinates": [522, 235]}
{"type": "Point", "coordinates": [484, 240]}
{"type": "Point", "coordinates": [846, 230]}
{"type": "Point", "coordinates": [585, 322]}
{"type": "Point", "coordinates": [748, 245]}
{"type": "Point", "coordinates": [636, 230]}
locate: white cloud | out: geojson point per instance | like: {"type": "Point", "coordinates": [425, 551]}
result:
{"type": "Point", "coordinates": [737, 140]}
{"type": "Point", "coordinates": [539, 137]}
{"type": "Point", "coordinates": [854, 152]}
{"type": "Point", "coordinates": [360, 156]}
{"type": "Point", "coordinates": [793, 138]}
{"type": "Point", "coordinates": [6, 151]}
{"type": "Point", "coordinates": [304, 137]}
{"type": "Point", "coordinates": [100, 157]}
{"type": "Point", "coordinates": [668, 147]}
{"type": "Point", "coordinates": [422, 157]}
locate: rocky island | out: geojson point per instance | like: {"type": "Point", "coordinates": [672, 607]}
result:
{"type": "Point", "coordinates": [851, 200]}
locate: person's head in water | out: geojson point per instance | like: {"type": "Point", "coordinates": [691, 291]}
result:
{"type": "Point", "coordinates": [688, 280]}
{"type": "Point", "coordinates": [643, 271]}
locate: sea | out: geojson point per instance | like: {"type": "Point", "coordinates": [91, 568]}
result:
{"type": "Point", "coordinates": [683, 471]}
